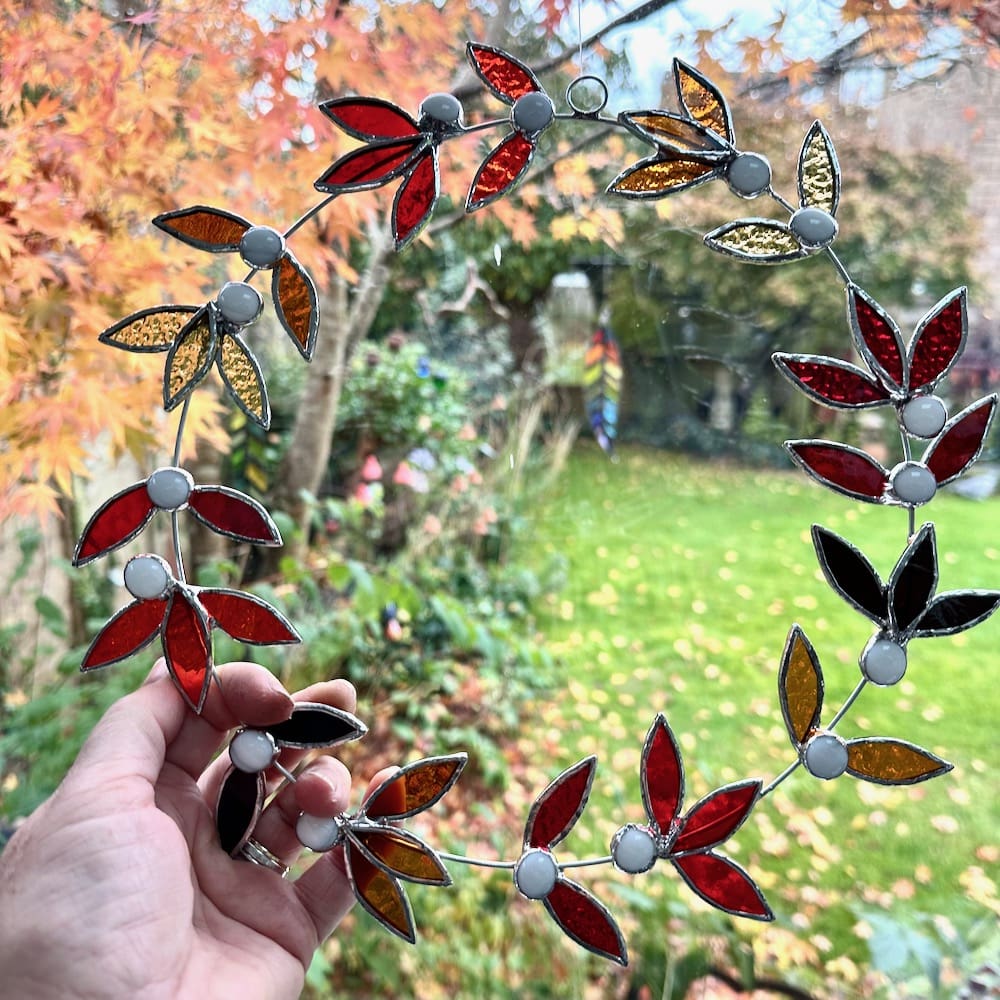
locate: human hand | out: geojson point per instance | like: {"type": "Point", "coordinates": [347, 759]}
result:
{"type": "Point", "coordinates": [117, 886]}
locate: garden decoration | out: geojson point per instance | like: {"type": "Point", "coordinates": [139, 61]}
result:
{"type": "Point", "coordinates": [685, 148]}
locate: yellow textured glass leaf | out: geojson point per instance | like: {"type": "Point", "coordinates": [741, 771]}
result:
{"type": "Point", "coordinates": [149, 330]}
{"type": "Point", "coordinates": [189, 361]}
{"type": "Point", "coordinates": [403, 854]}
{"type": "Point", "coordinates": [676, 132]}
{"type": "Point", "coordinates": [893, 762]}
{"type": "Point", "coordinates": [380, 894]}
{"type": "Point", "coordinates": [659, 177]}
{"type": "Point", "coordinates": [758, 240]}
{"type": "Point", "coordinates": [703, 102]}
{"type": "Point", "coordinates": [801, 686]}
{"type": "Point", "coordinates": [819, 181]}
{"type": "Point", "coordinates": [243, 379]}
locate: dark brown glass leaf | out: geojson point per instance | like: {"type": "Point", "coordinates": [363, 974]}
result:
{"type": "Point", "coordinates": [313, 725]}
{"type": "Point", "coordinates": [913, 580]}
{"type": "Point", "coordinates": [240, 802]}
{"type": "Point", "coordinates": [850, 573]}
{"type": "Point", "coordinates": [955, 611]}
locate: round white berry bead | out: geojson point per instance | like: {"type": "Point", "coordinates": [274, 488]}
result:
{"type": "Point", "coordinates": [252, 750]}
{"type": "Point", "coordinates": [535, 874]}
{"type": "Point", "coordinates": [262, 246]}
{"type": "Point", "coordinates": [883, 662]}
{"type": "Point", "coordinates": [924, 416]}
{"type": "Point", "coordinates": [749, 175]}
{"type": "Point", "coordinates": [169, 488]}
{"type": "Point", "coordinates": [147, 577]}
{"type": "Point", "coordinates": [318, 833]}
{"type": "Point", "coordinates": [633, 849]}
{"type": "Point", "coordinates": [825, 756]}
{"type": "Point", "coordinates": [239, 303]}
{"type": "Point", "coordinates": [913, 483]}
{"type": "Point", "coordinates": [813, 227]}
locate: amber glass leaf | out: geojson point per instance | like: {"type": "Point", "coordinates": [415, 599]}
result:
{"type": "Point", "coordinates": [676, 133]}
{"type": "Point", "coordinates": [587, 921]}
{"type": "Point", "coordinates": [403, 854]}
{"type": "Point", "coordinates": [380, 894]}
{"type": "Point", "coordinates": [661, 775]}
{"type": "Point", "coordinates": [150, 329]}
{"type": "Point", "coordinates": [760, 241]}
{"type": "Point", "coordinates": [296, 303]}
{"type": "Point", "coordinates": [892, 762]}
{"type": "Point", "coordinates": [189, 359]}
{"type": "Point", "coordinates": [244, 380]}
{"type": "Point", "coordinates": [507, 77]}
{"type": "Point", "coordinates": [819, 173]}
{"type": "Point", "coordinates": [702, 101]}
{"type": "Point", "coordinates": [415, 787]}
{"type": "Point", "coordinates": [209, 229]}
{"type": "Point", "coordinates": [800, 686]}
{"type": "Point", "coordinates": [560, 805]}
{"type": "Point", "coordinates": [659, 176]}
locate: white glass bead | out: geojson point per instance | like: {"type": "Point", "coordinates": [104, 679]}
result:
{"type": "Point", "coordinates": [535, 873]}
{"type": "Point", "coordinates": [169, 488]}
{"type": "Point", "coordinates": [884, 662]}
{"type": "Point", "coordinates": [252, 750]}
{"type": "Point", "coordinates": [444, 108]}
{"type": "Point", "coordinates": [826, 756]}
{"type": "Point", "coordinates": [924, 416]}
{"type": "Point", "coordinates": [318, 833]}
{"type": "Point", "coordinates": [633, 849]}
{"type": "Point", "coordinates": [749, 175]}
{"type": "Point", "coordinates": [913, 482]}
{"type": "Point", "coordinates": [147, 577]}
{"type": "Point", "coordinates": [533, 112]}
{"type": "Point", "coordinates": [239, 303]}
{"type": "Point", "coordinates": [262, 246]}
{"type": "Point", "coordinates": [813, 227]}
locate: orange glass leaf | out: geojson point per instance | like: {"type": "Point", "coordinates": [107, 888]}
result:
{"type": "Point", "coordinates": [819, 173]}
{"type": "Point", "coordinates": [760, 241]}
{"type": "Point", "coordinates": [209, 229]}
{"type": "Point", "coordinates": [415, 787]}
{"type": "Point", "coordinates": [681, 135]}
{"type": "Point", "coordinates": [892, 762]}
{"type": "Point", "coordinates": [296, 304]}
{"type": "Point", "coordinates": [187, 650]}
{"type": "Point", "coordinates": [380, 894]}
{"type": "Point", "coordinates": [150, 329]}
{"type": "Point", "coordinates": [189, 359]}
{"type": "Point", "coordinates": [403, 854]}
{"type": "Point", "coordinates": [702, 100]}
{"type": "Point", "coordinates": [800, 686]}
{"type": "Point", "coordinates": [658, 176]}
{"type": "Point", "coordinates": [244, 380]}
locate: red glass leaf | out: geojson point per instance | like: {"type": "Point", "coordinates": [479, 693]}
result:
{"type": "Point", "coordinates": [235, 514]}
{"type": "Point", "coordinates": [117, 521]}
{"type": "Point", "coordinates": [829, 381]}
{"type": "Point", "coordinates": [959, 444]}
{"type": "Point", "coordinates": [939, 339]}
{"type": "Point", "coordinates": [800, 686]}
{"type": "Point", "coordinates": [296, 304]}
{"type": "Point", "coordinates": [559, 806]}
{"type": "Point", "coordinates": [877, 336]}
{"type": "Point", "coordinates": [841, 467]}
{"type": "Point", "coordinates": [370, 166]}
{"type": "Point", "coordinates": [415, 200]}
{"type": "Point", "coordinates": [661, 775]}
{"type": "Point", "coordinates": [506, 77]}
{"type": "Point", "coordinates": [380, 894]}
{"type": "Point", "coordinates": [247, 618]}
{"type": "Point", "coordinates": [125, 633]}
{"type": "Point", "coordinates": [500, 171]}
{"type": "Point", "coordinates": [187, 650]}
{"type": "Point", "coordinates": [724, 884]}
{"type": "Point", "coordinates": [209, 229]}
{"type": "Point", "coordinates": [369, 118]}
{"type": "Point", "coordinates": [239, 805]}
{"type": "Point", "coordinates": [415, 787]}
{"type": "Point", "coordinates": [716, 817]}
{"type": "Point", "coordinates": [403, 854]}
{"type": "Point", "coordinates": [586, 921]}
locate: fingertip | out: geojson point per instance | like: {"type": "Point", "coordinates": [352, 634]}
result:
{"type": "Point", "coordinates": [324, 789]}
{"type": "Point", "coordinates": [250, 695]}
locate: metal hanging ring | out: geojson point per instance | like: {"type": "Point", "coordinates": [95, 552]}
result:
{"type": "Point", "coordinates": [582, 109]}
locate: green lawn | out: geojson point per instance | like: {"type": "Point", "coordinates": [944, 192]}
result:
{"type": "Point", "coordinates": [684, 579]}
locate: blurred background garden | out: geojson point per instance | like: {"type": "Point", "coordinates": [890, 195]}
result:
{"type": "Point", "coordinates": [457, 544]}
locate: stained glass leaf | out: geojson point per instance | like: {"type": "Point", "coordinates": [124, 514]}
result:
{"type": "Point", "coordinates": [831, 381]}
{"type": "Point", "coordinates": [232, 513]}
{"type": "Point", "coordinates": [850, 573]}
{"type": "Point", "coordinates": [675, 133]}
{"type": "Point", "coordinates": [149, 330]}
{"type": "Point", "coordinates": [296, 304]}
{"type": "Point", "coordinates": [955, 611]}
{"type": "Point", "coordinates": [800, 686]}
{"type": "Point", "coordinates": [913, 580]}
{"type": "Point", "coordinates": [602, 380]}
{"type": "Point", "coordinates": [960, 441]}
{"type": "Point", "coordinates": [843, 468]}
{"type": "Point", "coordinates": [723, 884]}
{"type": "Point", "coordinates": [661, 775]}
{"type": "Point", "coordinates": [205, 228]}
{"type": "Point", "coordinates": [190, 358]}
{"type": "Point", "coordinates": [506, 77]}
{"type": "Point", "coordinates": [819, 172]}
{"type": "Point", "coordinates": [402, 854]}
{"type": "Point", "coordinates": [759, 241]}
{"type": "Point", "coordinates": [717, 816]}
{"type": "Point", "coordinates": [661, 175]}
{"type": "Point", "coordinates": [114, 523]}
{"type": "Point", "coordinates": [559, 806]}
{"type": "Point", "coordinates": [877, 338]}
{"type": "Point", "coordinates": [369, 118]}
{"type": "Point", "coordinates": [500, 171]}
{"type": "Point", "coordinates": [241, 373]}
{"type": "Point", "coordinates": [587, 921]}
{"type": "Point", "coordinates": [892, 762]}
{"type": "Point", "coordinates": [415, 200]}
{"type": "Point", "coordinates": [415, 787]}
{"type": "Point", "coordinates": [380, 894]}
{"type": "Point", "coordinates": [371, 166]}
{"type": "Point", "coordinates": [187, 649]}
{"type": "Point", "coordinates": [313, 725]}
{"type": "Point", "coordinates": [938, 341]}
{"type": "Point", "coordinates": [703, 101]}
{"type": "Point", "coordinates": [246, 617]}
{"type": "Point", "coordinates": [240, 801]}
{"type": "Point", "coordinates": [126, 632]}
